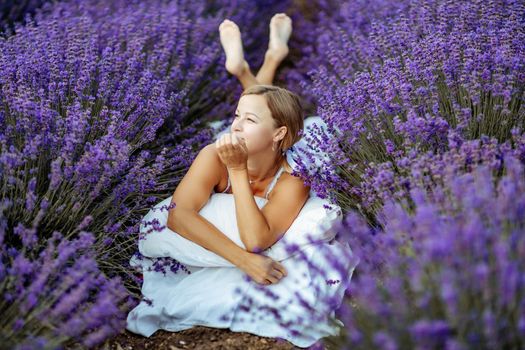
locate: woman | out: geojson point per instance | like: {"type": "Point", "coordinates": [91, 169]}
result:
{"type": "Point", "coordinates": [245, 163]}
{"type": "Point", "coordinates": [250, 165]}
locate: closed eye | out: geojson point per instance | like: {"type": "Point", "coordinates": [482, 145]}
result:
{"type": "Point", "coordinates": [237, 116]}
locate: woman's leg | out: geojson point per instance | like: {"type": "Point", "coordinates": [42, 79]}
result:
{"type": "Point", "coordinates": [230, 36]}
{"type": "Point", "coordinates": [280, 31]}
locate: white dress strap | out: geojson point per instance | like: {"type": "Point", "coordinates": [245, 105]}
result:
{"type": "Point", "coordinates": [274, 181]}
{"type": "Point", "coordinates": [227, 187]}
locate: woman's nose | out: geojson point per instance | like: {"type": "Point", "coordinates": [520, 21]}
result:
{"type": "Point", "coordinates": [236, 126]}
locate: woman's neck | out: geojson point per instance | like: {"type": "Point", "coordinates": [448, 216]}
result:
{"type": "Point", "coordinates": [261, 167]}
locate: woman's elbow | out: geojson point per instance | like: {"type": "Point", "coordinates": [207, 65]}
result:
{"type": "Point", "coordinates": [178, 215]}
{"type": "Point", "coordinates": [255, 247]}
{"type": "Point", "coordinates": [173, 218]}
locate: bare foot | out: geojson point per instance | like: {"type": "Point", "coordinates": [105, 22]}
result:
{"type": "Point", "coordinates": [280, 31]}
{"type": "Point", "coordinates": [232, 44]}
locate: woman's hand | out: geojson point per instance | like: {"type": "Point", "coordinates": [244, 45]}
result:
{"type": "Point", "coordinates": [263, 269]}
{"type": "Point", "coordinates": [232, 151]}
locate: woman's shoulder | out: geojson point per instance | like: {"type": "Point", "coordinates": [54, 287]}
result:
{"type": "Point", "coordinates": [211, 150]}
{"type": "Point", "coordinates": [204, 173]}
{"type": "Point", "coordinates": [214, 167]}
{"type": "Point", "coordinates": [286, 175]}
{"type": "Point", "coordinates": [290, 185]}
{"type": "Point", "coordinates": [287, 167]}
{"type": "Point", "coordinates": [219, 168]}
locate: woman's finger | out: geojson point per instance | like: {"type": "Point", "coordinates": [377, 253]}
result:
{"type": "Point", "coordinates": [281, 268]}
{"type": "Point", "coordinates": [242, 144]}
{"type": "Point", "coordinates": [272, 279]}
{"type": "Point", "coordinates": [235, 140]}
{"type": "Point", "coordinates": [228, 142]}
{"type": "Point", "coordinates": [277, 274]}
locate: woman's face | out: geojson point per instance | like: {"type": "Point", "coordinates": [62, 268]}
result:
{"type": "Point", "coordinates": [253, 122]}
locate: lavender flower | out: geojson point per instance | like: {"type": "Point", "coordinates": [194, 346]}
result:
{"type": "Point", "coordinates": [102, 108]}
{"type": "Point", "coordinates": [447, 273]}
{"type": "Point", "coordinates": [12, 12]}
{"type": "Point", "coordinates": [403, 80]}
{"type": "Point", "coordinates": [49, 289]}
{"type": "Point", "coordinates": [331, 25]}
{"type": "Point", "coordinates": [394, 180]}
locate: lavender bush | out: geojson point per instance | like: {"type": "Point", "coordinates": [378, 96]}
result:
{"type": "Point", "coordinates": [417, 102]}
{"type": "Point", "coordinates": [321, 28]}
{"type": "Point", "coordinates": [57, 294]}
{"type": "Point", "coordinates": [12, 11]}
{"type": "Point", "coordinates": [393, 180]}
{"type": "Point", "coordinates": [447, 275]}
{"type": "Point", "coordinates": [102, 109]}
{"type": "Point", "coordinates": [76, 126]}
{"type": "Point", "coordinates": [434, 69]}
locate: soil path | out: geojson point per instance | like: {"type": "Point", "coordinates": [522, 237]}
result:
{"type": "Point", "coordinates": [198, 337]}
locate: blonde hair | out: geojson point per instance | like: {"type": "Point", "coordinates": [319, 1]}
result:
{"type": "Point", "coordinates": [286, 111]}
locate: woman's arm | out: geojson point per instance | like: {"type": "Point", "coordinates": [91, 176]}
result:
{"type": "Point", "coordinates": [190, 196]}
{"type": "Point", "coordinates": [261, 228]}
{"type": "Point", "coordinates": [258, 229]}
{"type": "Point", "coordinates": [191, 225]}
{"type": "Point", "coordinates": [252, 224]}
{"type": "Point", "coordinates": [250, 220]}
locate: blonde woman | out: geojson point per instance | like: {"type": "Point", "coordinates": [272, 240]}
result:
{"type": "Point", "coordinates": [238, 199]}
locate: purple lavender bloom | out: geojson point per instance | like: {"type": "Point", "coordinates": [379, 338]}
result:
{"type": "Point", "coordinates": [102, 108]}
{"type": "Point", "coordinates": [336, 33]}
{"type": "Point", "coordinates": [50, 288]}
{"type": "Point", "coordinates": [395, 77]}
{"type": "Point", "coordinates": [12, 12]}
{"type": "Point", "coordinates": [446, 271]}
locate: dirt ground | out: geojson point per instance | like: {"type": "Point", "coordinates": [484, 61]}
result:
{"type": "Point", "coordinates": [198, 337]}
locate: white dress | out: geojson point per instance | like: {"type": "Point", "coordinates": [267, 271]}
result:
{"type": "Point", "coordinates": [198, 287]}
